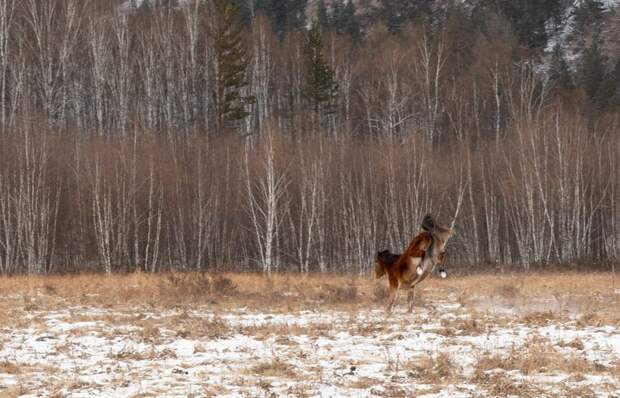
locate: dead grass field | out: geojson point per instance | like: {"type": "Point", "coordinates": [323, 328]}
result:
{"type": "Point", "coordinates": [589, 292]}
{"type": "Point", "coordinates": [198, 334]}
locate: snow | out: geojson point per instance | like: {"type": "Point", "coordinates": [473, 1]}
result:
{"type": "Point", "coordinates": [325, 353]}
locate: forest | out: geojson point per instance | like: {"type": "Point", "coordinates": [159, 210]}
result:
{"type": "Point", "coordinates": [296, 135]}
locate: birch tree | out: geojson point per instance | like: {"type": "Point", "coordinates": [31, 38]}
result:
{"type": "Point", "coordinates": [7, 12]}
{"type": "Point", "coordinates": [266, 194]}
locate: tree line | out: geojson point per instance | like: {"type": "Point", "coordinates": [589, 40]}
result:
{"type": "Point", "coordinates": [268, 136]}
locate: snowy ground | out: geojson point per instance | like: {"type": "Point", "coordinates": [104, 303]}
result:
{"type": "Point", "coordinates": [443, 349]}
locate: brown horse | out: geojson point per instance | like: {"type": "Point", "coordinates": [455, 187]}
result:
{"type": "Point", "coordinates": [426, 250]}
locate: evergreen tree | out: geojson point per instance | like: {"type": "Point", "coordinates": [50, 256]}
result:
{"type": "Point", "coordinates": [593, 77]}
{"type": "Point", "coordinates": [345, 21]}
{"type": "Point", "coordinates": [559, 72]}
{"type": "Point", "coordinates": [588, 15]}
{"type": "Point", "coordinates": [297, 14]}
{"type": "Point", "coordinates": [337, 16]}
{"type": "Point", "coordinates": [396, 13]}
{"type": "Point", "coordinates": [322, 15]}
{"type": "Point", "coordinates": [231, 63]}
{"type": "Point", "coordinates": [529, 19]}
{"type": "Point", "coordinates": [284, 14]}
{"type": "Point", "coordinates": [320, 87]}
{"type": "Point", "coordinates": [461, 32]}
{"type": "Point", "coordinates": [352, 24]}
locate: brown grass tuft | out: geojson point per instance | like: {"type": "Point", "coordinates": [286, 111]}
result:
{"type": "Point", "coordinates": [274, 368]}
{"type": "Point", "coordinates": [581, 391]}
{"type": "Point", "coordinates": [339, 294]}
{"type": "Point", "coordinates": [380, 293]}
{"type": "Point", "coordinates": [575, 343]}
{"type": "Point", "coordinates": [537, 355]}
{"type": "Point", "coordinates": [501, 385]}
{"type": "Point", "coordinates": [538, 318]}
{"type": "Point", "coordinates": [13, 392]}
{"type": "Point", "coordinates": [433, 370]}
{"type": "Point", "coordinates": [463, 326]}
{"type": "Point", "coordinates": [150, 333]}
{"type": "Point", "coordinates": [9, 368]}
{"type": "Point", "coordinates": [507, 290]}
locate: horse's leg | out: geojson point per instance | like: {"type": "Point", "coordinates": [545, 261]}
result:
{"type": "Point", "coordinates": [410, 298]}
{"type": "Point", "coordinates": [393, 294]}
{"type": "Point", "coordinates": [392, 299]}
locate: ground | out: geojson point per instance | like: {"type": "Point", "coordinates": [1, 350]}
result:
{"type": "Point", "coordinates": [320, 335]}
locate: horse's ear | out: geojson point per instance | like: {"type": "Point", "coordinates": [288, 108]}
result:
{"type": "Point", "coordinates": [428, 224]}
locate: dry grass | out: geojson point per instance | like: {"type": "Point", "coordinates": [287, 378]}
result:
{"type": "Point", "coordinates": [501, 385]}
{"type": "Point", "coordinates": [507, 291]}
{"type": "Point", "coordinates": [13, 392]}
{"type": "Point", "coordinates": [582, 391]}
{"type": "Point", "coordinates": [531, 294]}
{"type": "Point", "coordinates": [436, 370]}
{"type": "Point", "coordinates": [539, 318]}
{"type": "Point", "coordinates": [537, 355]}
{"type": "Point", "coordinates": [575, 343]}
{"type": "Point", "coordinates": [273, 368]}
{"type": "Point", "coordinates": [471, 327]}
{"type": "Point", "coordinates": [9, 367]}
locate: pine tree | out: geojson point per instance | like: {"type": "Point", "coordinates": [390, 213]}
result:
{"type": "Point", "coordinates": [352, 24]}
{"type": "Point", "coordinates": [529, 19]}
{"type": "Point", "coordinates": [297, 14]}
{"type": "Point", "coordinates": [284, 14]}
{"type": "Point", "coordinates": [338, 16]}
{"type": "Point", "coordinates": [320, 88]}
{"type": "Point", "coordinates": [593, 77]}
{"type": "Point", "coordinates": [322, 15]}
{"type": "Point", "coordinates": [344, 19]}
{"type": "Point", "coordinates": [396, 13]}
{"type": "Point", "coordinates": [559, 72]}
{"type": "Point", "coordinates": [587, 15]}
{"type": "Point", "coordinates": [231, 63]}
{"type": "Point", "coordinates": [278, 12]}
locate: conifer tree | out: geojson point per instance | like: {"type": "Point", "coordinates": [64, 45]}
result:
{"type": "Point", "coordinates": [529, 19]}
{"type": "Point", "coordinates": [559, 72]}
{"type": "Point", "coordinates": [284, 14]}
{"type": "Point", "coordinates": [396, 13]}
{"type": "Point", "coordinates": [231, 63]}
{"type": "Point", "coordinates": [344, 19]}
{"type": "Point", "coordinates": [352, 23]}
{"type": "Point", "coordinates": [594, 78]}
{"type": "Point", "coordinates": [322, 15]}
{"type": "Point", "coordinates": [338, 16]}
{"type": "Point", "coordinates": [320, 88]}
{"type": "Point", "coordinates": [587, 15]}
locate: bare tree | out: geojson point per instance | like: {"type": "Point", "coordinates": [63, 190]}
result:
{"type": "Point", "coordinates": [432, 61]}
{"type": "Point", "coordinates": [7, 11]}
{"type": "Point", "coordinates": [266, 193]}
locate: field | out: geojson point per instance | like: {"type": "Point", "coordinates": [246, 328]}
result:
{"type": "Point", "coordinates": [197, 334]}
